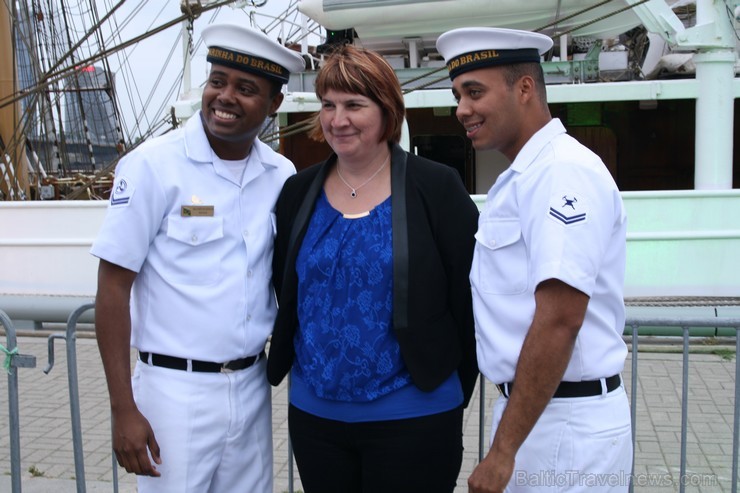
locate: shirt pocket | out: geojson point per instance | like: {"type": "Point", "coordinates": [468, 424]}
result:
{"type": "Point", "coordinates": [501, 258]}
{"type": "Point", "coordinates": [194, 253]}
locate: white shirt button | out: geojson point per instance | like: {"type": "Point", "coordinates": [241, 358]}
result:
{"type": "Point", "coordinates": [194, 238]}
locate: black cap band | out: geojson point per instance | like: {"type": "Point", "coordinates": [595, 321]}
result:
{"type": "Point", "coordinates": [489, 58]}
{"type": "Point", "coordinates": [248, 63]}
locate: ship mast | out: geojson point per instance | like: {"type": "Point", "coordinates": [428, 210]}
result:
{"type": "Point", "coordinates": [13, 175]}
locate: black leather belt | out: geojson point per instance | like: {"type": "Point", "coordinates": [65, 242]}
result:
{"type": "Point", "coordinates": [174, 363]}
{"type": "Point", "coordinates": [586, 388]}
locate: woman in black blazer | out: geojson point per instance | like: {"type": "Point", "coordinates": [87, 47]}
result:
{"type": "Point", "coordinates": [375, 322]}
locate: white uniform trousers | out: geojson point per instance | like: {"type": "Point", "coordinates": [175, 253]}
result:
{"type": "Point", "coordinates": [579, 444]}
{"type": "Point", "coordinates": [214, 429]}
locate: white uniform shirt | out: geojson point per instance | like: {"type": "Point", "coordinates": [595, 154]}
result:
{"type": "Point", "coordinates": [556, 213]}
{"type": "Point", "coordinates": [203, 289]}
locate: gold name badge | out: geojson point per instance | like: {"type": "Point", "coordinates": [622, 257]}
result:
{"type": "Point", "coordinates": [196, 211]}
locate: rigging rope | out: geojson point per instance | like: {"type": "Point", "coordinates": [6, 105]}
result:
{"type": "Point", "coordinates": [568, 17]}
{"type": "Point", "coordinates": [606, 16]}
{"type": "Point", "coordinates": [76, 81]}
{"type": "Point", "coordinates": [54, 76]}
{"type": "Point", "coordinates": [109, 79]}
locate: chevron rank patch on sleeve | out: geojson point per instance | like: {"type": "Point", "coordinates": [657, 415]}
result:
{"type": "Point", "coordinates": [122, 192]}
{"type": "Point", "coordinates": [568, 208]}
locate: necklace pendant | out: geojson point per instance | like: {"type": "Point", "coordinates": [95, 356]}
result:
{"type": "Point", "coordinates": [353, 192]}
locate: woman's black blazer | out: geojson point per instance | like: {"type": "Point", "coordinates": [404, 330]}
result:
{"type": "Point", "coordinates": [434, 221]}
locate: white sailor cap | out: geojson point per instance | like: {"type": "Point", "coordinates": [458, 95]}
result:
{"type": "Point", "coordinates": [471, 48]}
{"type": "Point", "coordinates": [249, 50]}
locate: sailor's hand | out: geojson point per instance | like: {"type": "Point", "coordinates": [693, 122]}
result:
{"type": "Point", "coordinates": [491, 475]}
{"type": "Point", "coordinates": [133, 441]}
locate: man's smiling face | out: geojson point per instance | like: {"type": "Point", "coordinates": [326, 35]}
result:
{"type": "Point", "coordinates": [234, 106]}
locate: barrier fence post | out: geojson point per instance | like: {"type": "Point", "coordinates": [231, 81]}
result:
{"type": "Point", "coordinates": [74, 394]}
{"type": "Point", "coordinates": [685, 324]}
{"type": "Point", "coordinates": [736, 422]}
{"type": "Point", "coordinates": [291, 480]}
{"type": "Point", "coordinates": [482, 418]}
{"type": "Point", "coordinates": [70, 338]}
{"type": "Point", "coordinates": [633, 400]}
{"type": "Point", "coordinates": [14, 360]}
{"type": "Point", "coordinates": [684, 408]}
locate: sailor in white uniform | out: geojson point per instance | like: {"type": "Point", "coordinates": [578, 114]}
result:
{"type": "Point", "coordinates": [188, 239]}
{"type": "Point", "coordinates": [547, 279]}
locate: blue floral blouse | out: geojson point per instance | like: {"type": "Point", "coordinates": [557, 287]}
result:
{"type": "Point", "coordinates": [345, 349]}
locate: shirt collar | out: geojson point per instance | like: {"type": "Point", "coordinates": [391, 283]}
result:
{"type": "Point", "coordinates": [199, 149]}
{"type": "Point", "coordinates": [536, 143]}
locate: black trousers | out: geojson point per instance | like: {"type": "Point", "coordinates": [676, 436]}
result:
{"type": "Point", "coordinates": [421, 455]}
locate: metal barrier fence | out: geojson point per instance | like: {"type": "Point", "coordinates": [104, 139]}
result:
{"type": "Point", "coordinates": [685, 324]}
{"type": "Point", "coordinates": [635, 323]}
{"type": "Point", "coordinates": [15, 360]}
{"type": "Point", "coordinates": [70, 338]}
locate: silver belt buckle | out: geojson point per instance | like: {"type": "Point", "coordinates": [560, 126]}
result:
{"type": "Point", "coordinates": [226, 370]}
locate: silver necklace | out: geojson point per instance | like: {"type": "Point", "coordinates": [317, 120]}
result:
{"type": "Point", "coordinates": [353, 192]}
